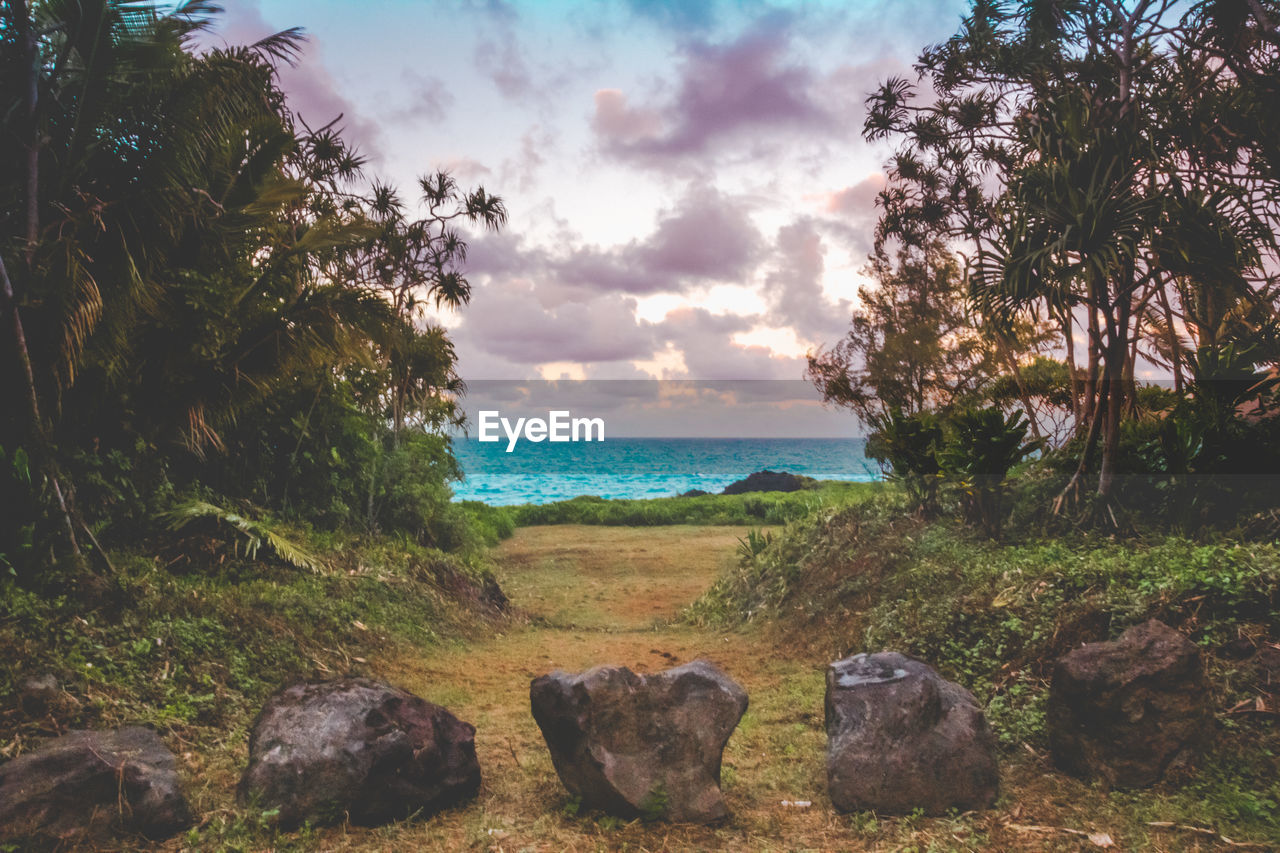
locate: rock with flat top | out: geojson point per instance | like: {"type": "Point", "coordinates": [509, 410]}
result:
{"type": "Point", "coordinates": [901, 738]}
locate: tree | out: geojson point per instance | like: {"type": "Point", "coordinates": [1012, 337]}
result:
{"type": "Point", "coordinates": [1069, 146]}
{"type": "Point", "coordinates": [912, 344]}
{"type": "Point", "coordinates": [188, 253]}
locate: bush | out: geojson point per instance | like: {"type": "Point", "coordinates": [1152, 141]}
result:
{"type": "Point", "coordinates": [745, 509]}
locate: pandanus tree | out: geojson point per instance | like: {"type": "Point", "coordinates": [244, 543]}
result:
{"type": "Point", "coordinates": [1071, 148]}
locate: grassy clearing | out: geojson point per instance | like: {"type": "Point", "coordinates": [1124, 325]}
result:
{"type": "Point", "coordinates": [860, 577]}
{"type": "Point", "coordinates": [193, 651]}
{"type": "Point", "coordinates": [995, 616]}
{"type": "Point", "coordinates": [752, 508]}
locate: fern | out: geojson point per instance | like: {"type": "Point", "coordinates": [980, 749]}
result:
{"type": "Point", "coordinates": [255, 533]}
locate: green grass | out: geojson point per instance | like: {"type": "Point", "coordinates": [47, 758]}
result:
{"type": "Point", "coordinates": [995, 616]}
{"type": "Point", "coordinates": [745, 509]}
{"type": "Point", "coordinates": [184, 649]}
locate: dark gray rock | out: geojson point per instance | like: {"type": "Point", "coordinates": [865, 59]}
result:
{"type": "Point", "coordinates": [900, 737]}
{"type": "Point", "coordinates": [357, 749]}
{"type": "Point", "coordinates": [1127, 710]}
{"type": "Point", "coordinates": [641, 745]}
{"type": "Point", "coordinates": [767, 481]}
{"type": "Point", "coordinates": [87, 786]}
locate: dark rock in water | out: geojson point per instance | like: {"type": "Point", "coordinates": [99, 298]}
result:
{"type": "Point", "coordinates": [38, 693]}
{"type": "Point", "coordinates": [357, 749]}
{"type": "Point", "coordinates": [767, 481]}
{"type": "Point", "coordinates": [694, 493]}
{"type": "Point", "coordinates": [641, 745]}
{"type": "Point", "coordinates": [88, 786]}
{"type": "Point", "coordinates": [1127, 710]}
{"type": "Point", "coordinates": [900, 737]}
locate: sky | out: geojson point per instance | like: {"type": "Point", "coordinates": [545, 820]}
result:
{"type": "Point", "coordinates": [689, 195]}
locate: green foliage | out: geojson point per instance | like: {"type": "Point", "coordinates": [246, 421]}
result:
{"type": "Point", "coordinates": [911, 444]}
{"type": "Point", "coordinates": [995, 617]}
{"type": "Point", "coordinates": [183, 648]}
{"type": "Point", "coordinates": [745, 509]}
{"type": "Point", "coordinates": [754, 542]}
{"type": "Point", "coordinates": [1080, 148]}
{"type": "Point", "coordinates": [215, 298]}
{"type": "Point", "coordinates": [655, 803]}
{"type": "Point", "coordinates": [982, 446]}
{"type": "Point", "coordinates": [254, 533]}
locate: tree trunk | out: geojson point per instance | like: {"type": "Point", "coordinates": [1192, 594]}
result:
{"type": "Point", "coordinates": [1117, 359]}
{"type": "Point", "coordinates": [1077, 386]}
{"type": "Point", "coordinates": [39, 430]}
{"type": "Point", "coordinates": [1175, 346]}
{"type": "Point", "coordinates": [1005, 353]}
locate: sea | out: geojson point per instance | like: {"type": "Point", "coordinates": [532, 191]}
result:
{"type": "Point", "coordinates": [645, 467]}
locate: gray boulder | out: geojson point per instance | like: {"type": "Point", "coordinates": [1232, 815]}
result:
{"type": "Point", "coordinates": [900, 737]}
{"type": "Point", "coordinates": [1127, 710]}
{"type": "Point", "coordinates": [641, 745]}
{"type": "Point", "coordinates": [88, 786]}
{"type": "Point", "coordinates": [357, 749]}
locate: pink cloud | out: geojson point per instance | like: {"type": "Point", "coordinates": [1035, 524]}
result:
{"type": "Point", "coordinates": [725, 90]}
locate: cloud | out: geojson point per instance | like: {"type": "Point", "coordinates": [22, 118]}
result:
{"type": "Point", "coordinates": [706, 342]}
{"type": "Point", "coordinates": [521, 169]}
{"type": "Point", "coordinates": [313, 93]}
{"type": "Point", "coordinates": [725, 91]}
{"type": "Point", "coordinates": [503, 62]}
{"type": "Point", "coordinates": [706, 236]}
{"type": "Point", "coordinates": [793, 288]}
{"type": "Point", "coordinates": [709, 235]}
{"type": "Point", "coordinates": [465, 169]}
{"type": "Point", "coordinates": [510, 320]}
{"type": "Point", "coordinates": [851, 214]}
{"type": "Point", "coordinates": [429, 97]}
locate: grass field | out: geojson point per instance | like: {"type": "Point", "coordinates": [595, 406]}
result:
{"type": "Point", "coordinates": [593, 595]}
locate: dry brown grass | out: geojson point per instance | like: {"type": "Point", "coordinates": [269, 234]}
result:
{"type": "Point", "coordinates": [605, 595]}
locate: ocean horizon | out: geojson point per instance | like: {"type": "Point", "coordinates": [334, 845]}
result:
{"type": "Point", "coordinates": [624, 467]}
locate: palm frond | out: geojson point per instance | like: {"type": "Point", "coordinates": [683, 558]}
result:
{"type": "Point", "coordinates": [255, 533]}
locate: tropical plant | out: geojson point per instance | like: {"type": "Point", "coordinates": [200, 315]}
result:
{"type": "Point", "coordinates": [1109, 166]}
{"type": "Point", "coordinates": [187, 256]}
{"type": "Point", "coordinates": [982, 446]}
{"type": "Point", "coordinates": [253, 533]}
{"type": "Point", "coordinates": [909, 445]}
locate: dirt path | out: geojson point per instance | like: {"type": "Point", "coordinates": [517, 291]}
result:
{"type": "Point", "coordinates": [600, 595]}
{"type": "Point", "coordinates": [610, 595]}
{"type": "Point", "coordinates": [607, 595]}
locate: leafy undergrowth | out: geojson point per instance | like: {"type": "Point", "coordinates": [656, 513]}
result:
{"type": "Point", "coordinates": [995, 616]}
{"type": "Point", "coordinates": [192, 645]}
{"type": "Point", "coordinates": [751, 508]}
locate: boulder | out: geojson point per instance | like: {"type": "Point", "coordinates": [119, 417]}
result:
{"type": "Point", "coordinates": [1127, 710]}
{"type": "Point", "coordinates": [900, 737]}
{"type": "Point", "coordinates": [641, 745]}
{"type": "Point", "coordinates": [694, 493]}
{"type": "Point", "coordinates": [360, 750]}
{"type": "Point", "coordinates": [768, 481]}
{"type": "Point", "coordinates": [87, 786]}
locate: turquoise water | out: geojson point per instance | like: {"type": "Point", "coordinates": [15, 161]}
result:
{"type": "Point", "coordinates": [645, 467]}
